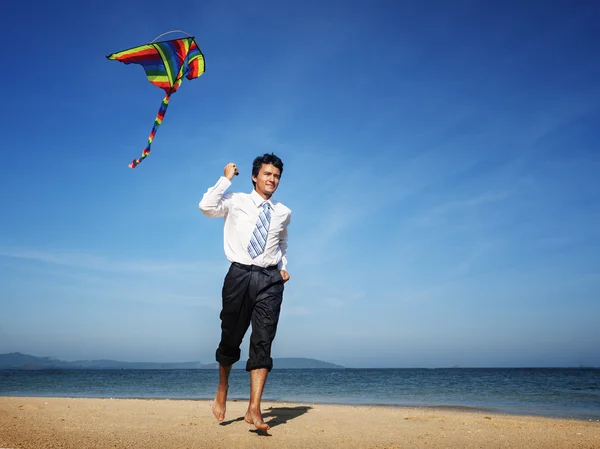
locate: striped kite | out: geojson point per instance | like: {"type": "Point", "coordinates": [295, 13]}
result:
{"type": "Point", "coordinates": [166, 63]}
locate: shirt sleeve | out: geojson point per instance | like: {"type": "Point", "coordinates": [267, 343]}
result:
{"type": "Point", "coordinates": [283, 244]}
{"type": "Point", "coordinates": [215, 202]}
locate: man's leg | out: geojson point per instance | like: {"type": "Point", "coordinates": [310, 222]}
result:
{"type": "Point", "coordinates": [265, 317]}
{"type": "Point", "coordinates": [235, 319]}
{"type": "Point", "coordinates": [258, 377]}
{"type": "Point", "coordinates": [221, 397]}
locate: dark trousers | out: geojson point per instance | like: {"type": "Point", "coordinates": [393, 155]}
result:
{"type": "Point", "coordinates": [250, 294]}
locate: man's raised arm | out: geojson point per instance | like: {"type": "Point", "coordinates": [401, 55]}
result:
{"type": "Point", "coordinates": [214, 201]}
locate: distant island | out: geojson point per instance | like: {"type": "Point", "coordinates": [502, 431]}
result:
{"type": "Point", "coordinates": [18, 361]}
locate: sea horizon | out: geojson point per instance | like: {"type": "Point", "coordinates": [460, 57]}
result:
{"type": "Point", "coordinates": [354, 368]}
{"type": "Point", "coordinates": [24, 358]}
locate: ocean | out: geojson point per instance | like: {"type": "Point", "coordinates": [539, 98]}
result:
{"type": "Point", "coordinates": [568, 393]}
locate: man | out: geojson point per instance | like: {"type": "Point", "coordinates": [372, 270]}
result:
{"type": "Point", "coordinates": [255, 241]}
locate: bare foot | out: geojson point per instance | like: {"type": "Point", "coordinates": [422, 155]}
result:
{"type": "Point", "coordinates": [255, 418]}
{"type": "Point", "coordinates": [219, 404]}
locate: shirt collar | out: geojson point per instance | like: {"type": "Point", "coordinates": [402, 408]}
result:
{"type": "Point", "coordinates": [259, 200]}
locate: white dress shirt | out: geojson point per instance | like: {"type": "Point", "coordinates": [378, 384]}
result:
{"type": "Point", "coordinates": [240, 211]}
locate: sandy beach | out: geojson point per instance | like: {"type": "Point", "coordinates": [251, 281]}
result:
{"type": "Point", "coordinates": [141, 423]}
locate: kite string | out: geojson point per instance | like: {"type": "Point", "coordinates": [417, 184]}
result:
{"type": "Point", "coordinates": [172, 31]}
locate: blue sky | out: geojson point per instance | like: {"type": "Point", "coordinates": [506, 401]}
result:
{"type": "Point", "coordinates": [440, 162]}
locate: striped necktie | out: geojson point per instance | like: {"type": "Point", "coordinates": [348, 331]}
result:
{"type": "Point", "coordinates": [259, 235]}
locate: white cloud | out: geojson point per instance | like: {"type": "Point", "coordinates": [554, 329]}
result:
{"type": "Point", "coordinates": [296, 311]}
{"type": "Point", "coordinates": [435, 215]}
{"type": "Point", "coordinates": [101, 263]}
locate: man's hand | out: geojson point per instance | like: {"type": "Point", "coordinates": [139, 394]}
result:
{"type": "Point", "coordinates": [230, 171]}
{"type": "Point", "coordinates": [285, 276]}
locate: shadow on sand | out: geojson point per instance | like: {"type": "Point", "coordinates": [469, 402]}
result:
{"type": "Point", "coordinates": [281, 415]}
{"type": "Point", "coordinates": [275, 416]}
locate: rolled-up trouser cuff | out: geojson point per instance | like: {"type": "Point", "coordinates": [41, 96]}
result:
{"type": "Point", "coordinates": [265, 362]}
{"type": "Point", "coordinates": [227, 360]}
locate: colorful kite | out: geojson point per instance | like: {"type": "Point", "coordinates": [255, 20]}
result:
{"type": "Point", "coordinates": [166, 63]}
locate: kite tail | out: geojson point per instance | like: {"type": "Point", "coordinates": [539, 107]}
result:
{"type": "Point", "coordinates": [157, 121]}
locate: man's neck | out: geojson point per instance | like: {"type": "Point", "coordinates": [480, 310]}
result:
{"type": "Point", "coordinates": [263, 195]}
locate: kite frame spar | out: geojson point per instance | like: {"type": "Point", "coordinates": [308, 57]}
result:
{"type": "Point", "coordinates": [169, 32]}
{"type": "Point", "coordinates": [173, 82]}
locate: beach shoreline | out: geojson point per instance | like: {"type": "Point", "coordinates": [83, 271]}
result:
{"type": "Point", "coordinates": [40, 422]}
{"type": "Point", "coordinates": [492, 409]}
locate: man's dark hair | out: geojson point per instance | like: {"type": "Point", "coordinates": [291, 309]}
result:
{"type": "Point", "coordinates": [266, 159]}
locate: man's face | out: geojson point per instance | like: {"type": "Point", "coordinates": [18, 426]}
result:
{"type": "Point", "coordinates": [267, 179]}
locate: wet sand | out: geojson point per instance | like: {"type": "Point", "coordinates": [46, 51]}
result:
{"type": "Point", "coordinates": [142, 423]}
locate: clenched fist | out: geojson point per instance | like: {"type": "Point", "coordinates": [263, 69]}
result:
{"type": "Point", "coordinates": [230, 171]}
